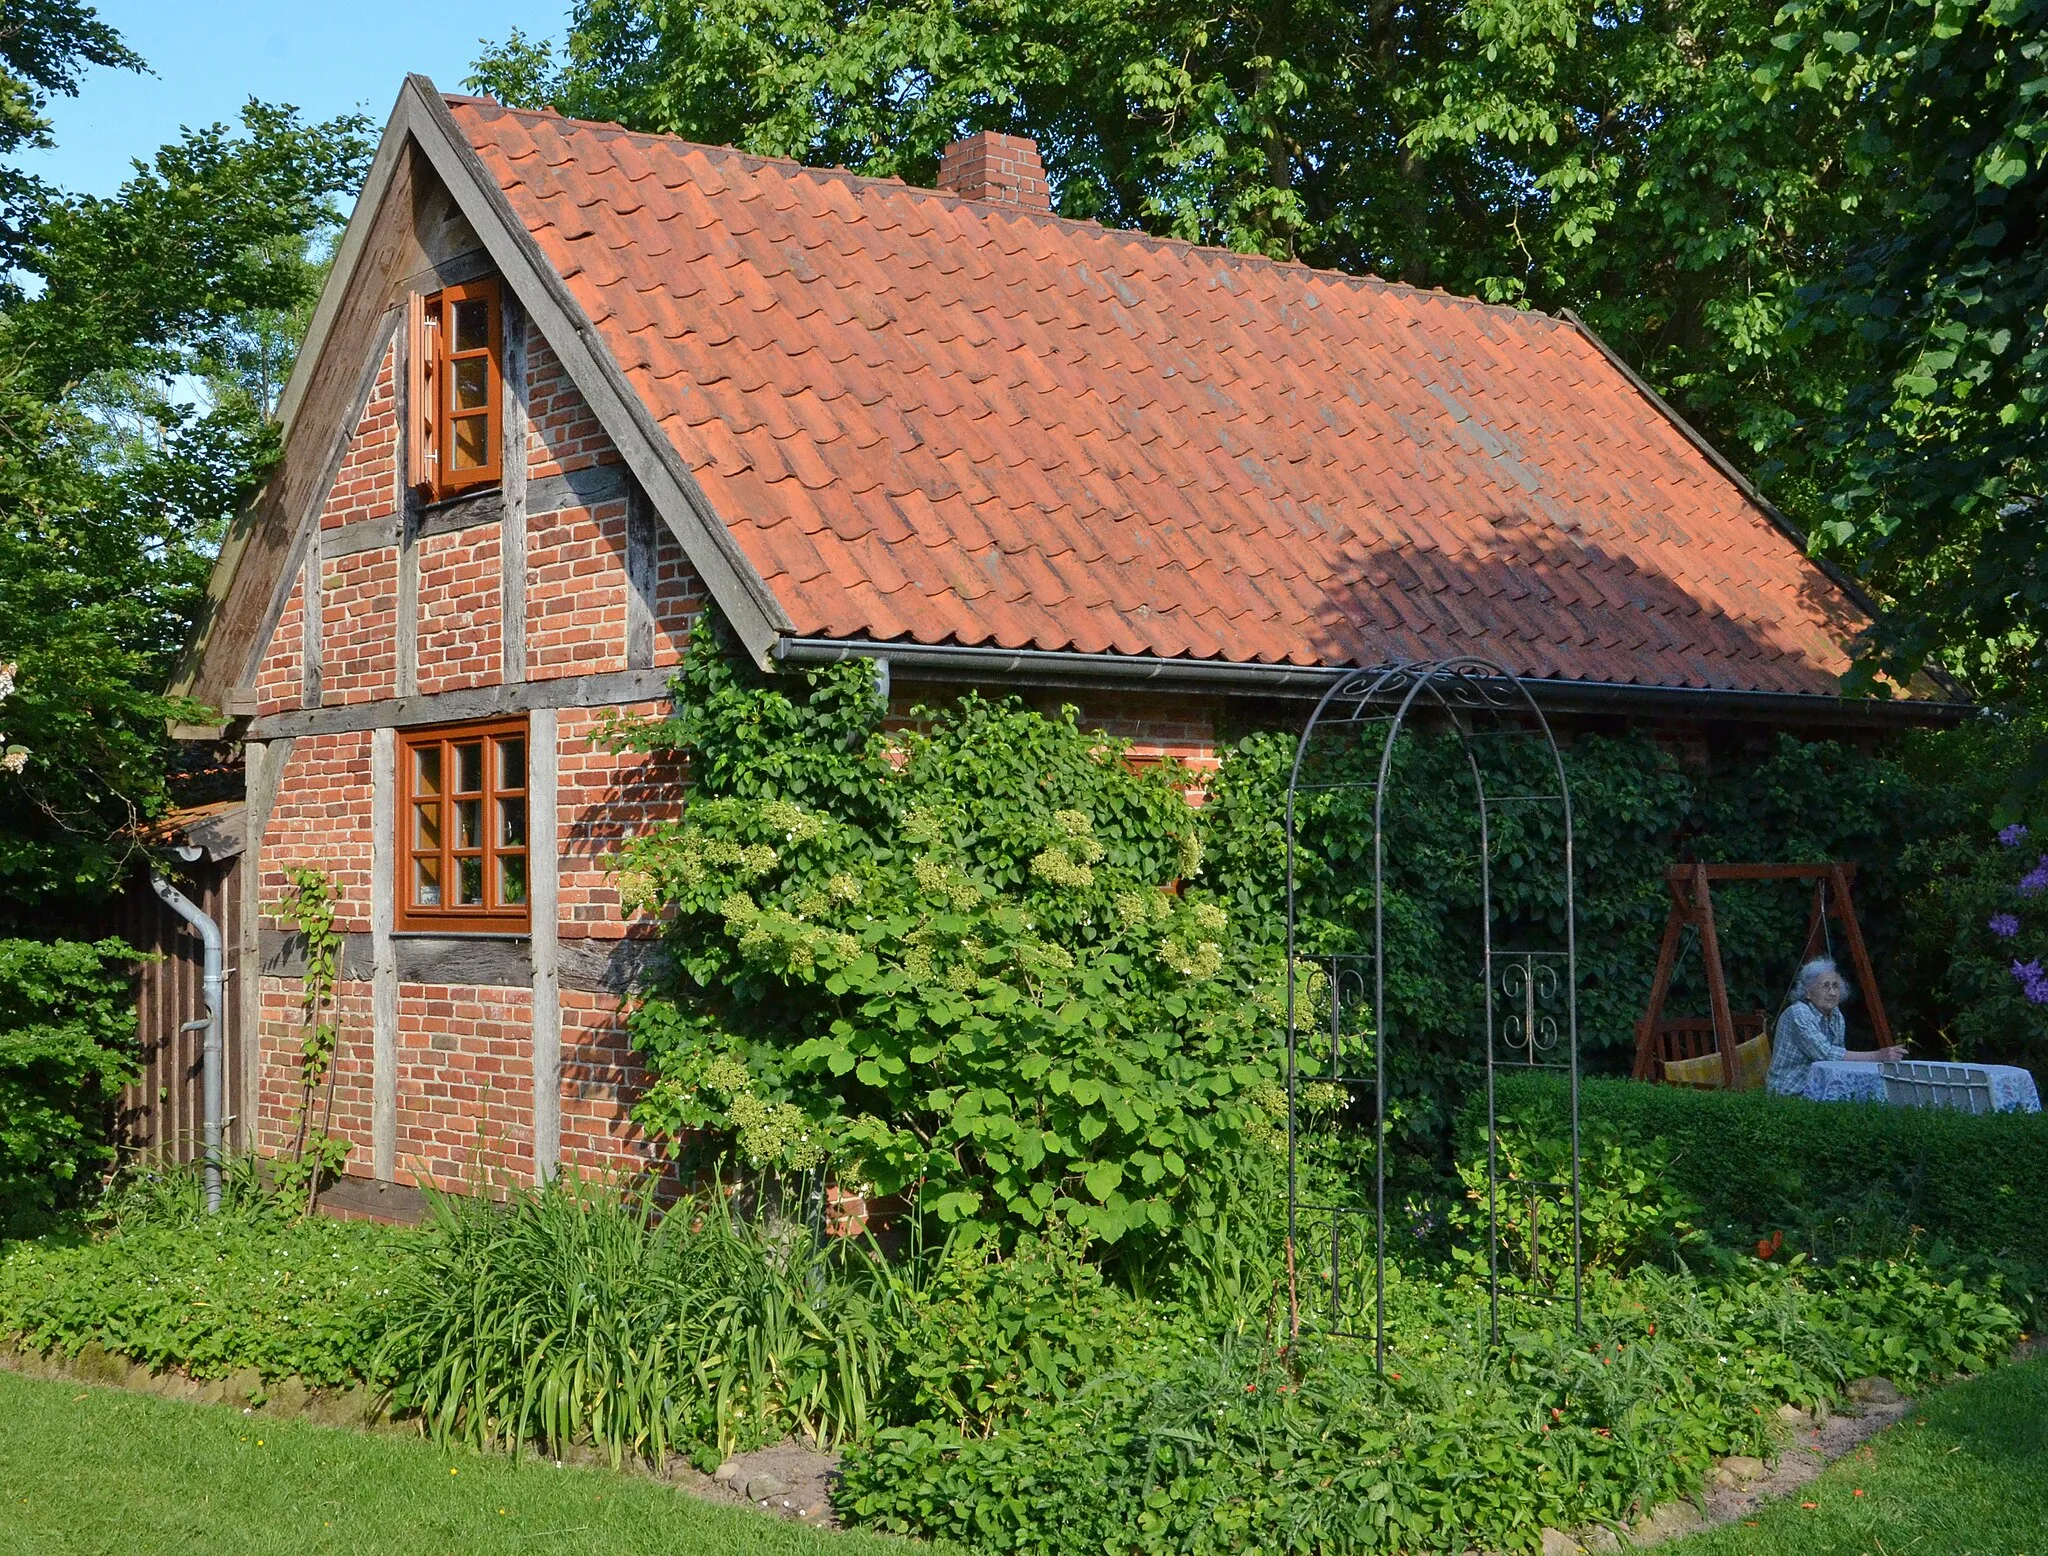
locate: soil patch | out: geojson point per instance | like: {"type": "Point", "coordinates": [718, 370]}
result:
{"type": "Point", "coordinates": [792, 1479]}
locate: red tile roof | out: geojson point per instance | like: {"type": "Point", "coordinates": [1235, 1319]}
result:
{"type": "Point", "coordinates": [931, 419]}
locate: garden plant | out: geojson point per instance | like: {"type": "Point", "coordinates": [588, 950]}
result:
{"type": "Point", "coordinates": [1024, 999]}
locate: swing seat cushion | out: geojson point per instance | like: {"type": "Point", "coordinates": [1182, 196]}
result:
{"type": "Point", "coordinates": [1752, 1065]}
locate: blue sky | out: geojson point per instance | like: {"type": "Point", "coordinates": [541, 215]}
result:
{"type": "Point", "coordinates": [211, 56]}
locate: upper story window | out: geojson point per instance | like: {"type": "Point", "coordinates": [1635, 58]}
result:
{"type": "Point", "coordinates": [462, 828]}
{"type": "Point", "coordinates": [458, 388]}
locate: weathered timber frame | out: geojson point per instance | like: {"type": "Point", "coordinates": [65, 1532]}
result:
{"type": "Point", "coordinates": [1692, 907]}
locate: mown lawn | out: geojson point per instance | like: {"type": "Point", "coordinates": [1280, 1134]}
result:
{"type": "Point", "coordinates": [1966, 1475]}
{"type": "Point", "coordinates": [102, 1471]}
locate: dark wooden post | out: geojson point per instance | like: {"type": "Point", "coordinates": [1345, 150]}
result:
{"type": "Point", "coordinates": [1660, 985]}
{"type": "Point", "coordinates": [1717, 982]}
{"type": "Point", "coordinates": [1845, 906]}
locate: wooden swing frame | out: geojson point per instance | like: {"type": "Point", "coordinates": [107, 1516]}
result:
{"type": "Point", "coordinates": [1692, 905]}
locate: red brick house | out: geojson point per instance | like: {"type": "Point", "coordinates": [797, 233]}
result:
{"type": "Point", "coordinates": [569, 386]}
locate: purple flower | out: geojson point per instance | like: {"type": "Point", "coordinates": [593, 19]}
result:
{"type": "Point", "coordinates": [2033, 980]}
{"type": "Point", "coordinates": [2035, 881]}
{"type": "Point", "coordinates": [2010, 836]}
{"type": "Point", "coordinates": [2003, 925]}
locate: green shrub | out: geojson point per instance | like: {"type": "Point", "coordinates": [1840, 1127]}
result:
{"type": "Point", "coordinates": [1227, 1447]}
{"type": "Point", "coordinates": [67, 1047]}
{"type": "Point", "coordinates": [985, 1337]}
{"type": "Point", "coordinates": [576, 1313]}
{"type": "Point", "coordinates": [176, 1289]}
{"type": "Point", "coordinates": [1833, 1179]}
{"type": "Point", "coordinates": [950, 961]}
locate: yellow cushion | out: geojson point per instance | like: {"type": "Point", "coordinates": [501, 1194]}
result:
{"type": "Point", "coordinates": [1752, 1065]}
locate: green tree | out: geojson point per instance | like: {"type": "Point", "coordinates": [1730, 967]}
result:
{"type": "Point", "coordinates": [1941, 468]}
{"type": "Point", "coordinates": [138, 375]}
{"type": "Point", "coordinates": [1814, 226]}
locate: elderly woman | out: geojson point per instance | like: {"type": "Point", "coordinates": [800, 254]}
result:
{"type": "Point", "coordinates": [1811, 1030]}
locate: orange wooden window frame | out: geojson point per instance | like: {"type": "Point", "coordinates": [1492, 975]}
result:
{"type": "Point", "coordinates": [448, 848]}
{"type": "Point", "coordinates": [435, 372]}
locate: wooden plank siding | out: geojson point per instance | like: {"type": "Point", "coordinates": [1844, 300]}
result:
{"type": "Point", "coordinates": [159, 1118]}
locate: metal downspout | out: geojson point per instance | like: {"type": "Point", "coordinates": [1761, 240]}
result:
{"type": "Point", "coordinates": [212, 1088]}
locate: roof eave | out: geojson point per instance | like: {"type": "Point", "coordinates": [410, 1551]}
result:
{"type": "Point", "coordinates": [1066, 670]}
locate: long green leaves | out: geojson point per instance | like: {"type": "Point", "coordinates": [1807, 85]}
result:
{"type": "Point", "coordinates": [579, 1313]}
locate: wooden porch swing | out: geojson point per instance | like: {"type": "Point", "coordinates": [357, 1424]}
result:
{"type": "Point", "coordinates": [1671, 1040]}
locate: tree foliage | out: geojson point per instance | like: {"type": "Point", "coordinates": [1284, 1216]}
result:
{"type": "Point", "coordinates": [1812, 226]}
{"type": "Point", "coordinates": [139, 362]}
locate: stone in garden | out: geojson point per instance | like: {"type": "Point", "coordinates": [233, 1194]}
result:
{"type": "Point", "coordinates": [288, 1397]}
{"type": "Point", "coordinates": [243, 1385]}
{"type": "Point", "coordinates": [93, 1364]}
{"type": "Point", "coordinates": [726, 1471]}
{"type": "Point", "coordinates": [1742, 1467]}
{"type": "Point", "coordinates": [1599, 1540]}
{"type": "Point", "coordinates": [1668, 1523]}
{"type": "Point", "coordinates": [762, 1487]}
{"type": "Point", "coordinates": [1874, 1391]}
{"type": "Point", "coordinates": [1557, 1543]}
{"type": "Point", "coordinates": [1792, 1415]}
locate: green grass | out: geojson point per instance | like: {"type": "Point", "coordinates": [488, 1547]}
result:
{"type": "Point", "coordinates": [1965, 1475]}
{"type": "Point", "coordinates": [92, 1470]}
{"type": "Point", "coordinates": [100, 1470]}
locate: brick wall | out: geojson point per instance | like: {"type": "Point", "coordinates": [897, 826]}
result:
{"type": "Point", "coordinates": [367, 484]}
{"type": "Point", "coordinates": [280, 676]}
{"type": "Point", "coordinates": [359, 627]}
{"type": "Point", "coordinates": [461, 622]}
{"type": "Point", "coordinates": [601, 1079]}
{"type": "Point", "coordinates": [322, 820]}
{"type": "Point", "coordinates": [345, 1105]}
{"type": "Point", "coordinates": [465, 1084]}
{"type": "Point", "coordinates": [562, 433]}
{"type": "Point", "coordinates": [576, 591]}
{"type": "Point", "coordinates": [601, 799]}
{"type": "Point", "coordinates": [678, 596]}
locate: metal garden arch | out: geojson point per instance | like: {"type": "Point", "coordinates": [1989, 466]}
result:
{"type": "Point", "coordinates": [1527, 989]}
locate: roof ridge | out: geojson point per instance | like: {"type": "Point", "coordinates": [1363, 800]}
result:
{"type": "Point", "coordinates": [1129, 234]}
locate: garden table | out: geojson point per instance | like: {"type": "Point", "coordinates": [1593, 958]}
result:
{"type": "Point", "coordinates": [1834, 1080]}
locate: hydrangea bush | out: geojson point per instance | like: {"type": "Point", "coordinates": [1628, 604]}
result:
{"type": "Point", "coordinates": [971, 959]}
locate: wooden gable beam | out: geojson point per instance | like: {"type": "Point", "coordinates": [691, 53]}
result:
{"type": "Point", "coordinates": [250, 577]}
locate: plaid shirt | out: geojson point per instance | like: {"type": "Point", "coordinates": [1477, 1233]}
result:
{"type": "Point", "coordinates": [1805, 1038]}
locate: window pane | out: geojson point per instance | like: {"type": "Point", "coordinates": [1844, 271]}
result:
{"type": "Point", "coordinates": [426, 881]}
{"type": "Point", "coordinates": [467, 389]}
{"type": "Point", "coordinates": [472, 324]}
{"type": "Point", "coordinates": [469, 768]}
{"type": "Point", "coordinates": [512, 763]}
{"type": "Point", "coordinates": [469, 883]}
{"type": "Point", "coordinates": [511, 880]}
{"type": "Point", "coordinates": [469, 441]}
{"type": "Point", "coordinates": [426, 826]}
{"type": "Point", "coordinates": [426, 770]}
{"type": "Point", "coordinates": [469, 823]}
{"type": "Point", "coordinates": [511, 823]}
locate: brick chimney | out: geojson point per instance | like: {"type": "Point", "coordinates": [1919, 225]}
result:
{"type": "Point", "coordinates": [1001, 169]}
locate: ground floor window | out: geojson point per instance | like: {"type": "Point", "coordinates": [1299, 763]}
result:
{"type": "Point", "coordinates": [462, 827]}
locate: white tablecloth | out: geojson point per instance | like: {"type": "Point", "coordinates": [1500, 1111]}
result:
{"type": "Point", "coordinates": [1831, 1080]}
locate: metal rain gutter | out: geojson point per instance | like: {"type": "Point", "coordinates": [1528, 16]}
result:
{"type": "Point", "coordinates": [212, 1087]}
{"type": "Point", "coordinates": [1057, 668]}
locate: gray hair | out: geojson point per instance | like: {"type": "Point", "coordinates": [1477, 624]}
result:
{"type": "Point", "coordinates": [1820, 967]}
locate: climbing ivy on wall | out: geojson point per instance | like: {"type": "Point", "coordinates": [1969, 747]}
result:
{"type": "Point", "coordinates": [308, 907]}
{"type": "Point", "coordinates": [985, 960]}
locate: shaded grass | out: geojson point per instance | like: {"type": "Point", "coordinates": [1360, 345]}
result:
{"type": "Point", "coordinates": [1964, 1475]}
{"type": "Point", "coordinates": [89, 1470]}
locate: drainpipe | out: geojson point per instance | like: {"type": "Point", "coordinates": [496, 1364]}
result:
{"type": "Point", "coordinates": [211, 1086]}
